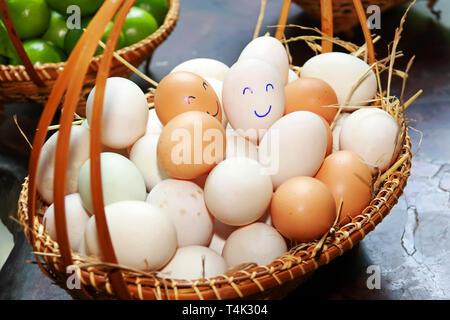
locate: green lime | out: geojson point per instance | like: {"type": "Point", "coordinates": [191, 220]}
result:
{"type": "Point", "coordinates": [157, 8]}
{"type": "Point", "coordinates": [139, 24]}
{"type": "Point", "coordinates": [31, 17]}
{"type": "Point", "coordinates": [121, 43]}
{"type": "Point", "coordinates": [6, 47]}
{"type": "Point", "coordinates": [87, 7]}
{"type": "Point", "coordinates": [40, 52]}
{"type": "Point", "coordinates": [74, 35]}
{"type": "Point", "coordinates": [57, 30]}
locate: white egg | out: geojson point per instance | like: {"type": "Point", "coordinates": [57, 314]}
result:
{"type": "Point", "coordinates": [217, 85]}
{"type": "Point", "coordinates": [237, 192]}
{"type": "Point", "coordinates": [292, 76]}
{"type": "Point", "coordinates": [143, 154]}
{"type": "Point", "coordinates": [221, 233]}
{"type": "Point", "coordinates": [121, 180]}
{"type": "Point", "coordinates": [183, 202]}
{"type": "Point", "coordinates": [125, 113]}
{"type": "Point", "coordinates": [78, 154]}
{"type": "Point", "coordinates": [337, 130]}
{"type": "Point", "coordinates": [194, 262]}
{"type": "Point", "coordinates": [372, 134]}
{"type": "Point", "coordinates": [341, 71]}
{"type": "Point", "coordinates": [154, 125]}
{"type": "Point", "coordinates": [204, 67]}
{"type": "Point", "coordinates": [76, 220]}
{"type": "Point", "coordinates": [238, 146]}
{"type": "Point", "coordinates": [253, 97]}
{"type": "Point", "coordinates": [143, 237]}
{"type": "Point", "coordinates": [258, 243]}
{"type": "Point", "coordinates": [294, 146]}
{"type": "Point", "coordinates": [271, 50]}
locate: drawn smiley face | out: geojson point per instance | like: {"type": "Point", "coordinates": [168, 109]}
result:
{"type": "Point", "coordinates": [249, 90]}
{"type": "Point", "coordinates": [253, 95]}
{"type": "Point", "coordinates": [183, 91]}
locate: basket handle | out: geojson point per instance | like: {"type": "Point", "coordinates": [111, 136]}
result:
{"type": "Point", "coordinates": [326, 8]}
{"type": "Point", "coordinates": [283, 19]}
{"type": "Point", "coordinates": [18, 45]}
{"type": "Point", "coordinates": [327, 26]}
{"type": "Point", "coordinates": [69, 82]}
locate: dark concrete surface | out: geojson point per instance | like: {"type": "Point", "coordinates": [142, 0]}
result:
{"type": "Point", "coordinates": [410, 247]}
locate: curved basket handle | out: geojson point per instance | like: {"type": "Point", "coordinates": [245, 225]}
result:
{"type": "Point", "coordinates": [327, 26]}
{"type": "Point", "coordinates": [18, 45]}
{"type": "Point", "coordinates": [282, 20]}
{"type": "Point", "coordinates": [70, 82]}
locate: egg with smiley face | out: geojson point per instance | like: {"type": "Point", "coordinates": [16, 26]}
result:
{"type": "Point", "coordinates": [253, 97]}
{"type": "Point", "coordinates": [183, 91]}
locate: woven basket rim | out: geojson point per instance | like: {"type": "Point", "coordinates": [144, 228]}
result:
{"type": "Point", "coordinates": [168, 24]}
{"type": "Point", "coordinates": [293, 264]}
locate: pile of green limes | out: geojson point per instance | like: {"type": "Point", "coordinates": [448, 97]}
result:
{"type": "Point", "coordinates": [48, 28]}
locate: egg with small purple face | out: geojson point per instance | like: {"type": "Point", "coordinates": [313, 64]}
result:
{"type": "Point", "coordinates": [253, 97]}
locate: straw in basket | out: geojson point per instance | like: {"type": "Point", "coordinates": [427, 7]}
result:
{"type": "Point", "coordinates": [108, 280]}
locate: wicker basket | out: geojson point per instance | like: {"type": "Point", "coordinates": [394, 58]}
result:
{"type": "Point", "coordinates": [344, 16]}
{"type": "Point", "coordinates": [107, 280]}
{"type": "Point", "coordinates": [16, 85]}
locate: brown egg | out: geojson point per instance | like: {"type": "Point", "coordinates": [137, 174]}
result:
{"type": "Point", "coordinates": [329, 137]}
{"type": "Point", "coordinates": [303, 209]}
{"type": "Point", "coordinates": [183, 91]}
{"type": "Point", "coordinates": [311, 94]}
{"type": "Point", "coordinates": [349, 178]}
{"type": "Point", "coordinates": [191, 144]}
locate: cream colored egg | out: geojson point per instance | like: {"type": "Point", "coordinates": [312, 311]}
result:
{"type": "Point", "coordinates": [143, 237]}
{"type": "Point", "coordinates": [294, 146]}
{"type": "Point", "coordinates": [121, 180]}
{"type": "Point", "coordinates": [372, 134]}
{"type": "Point", "coordinates": [78, 154]}
{"type": "Point", "coordinates": [341, 71]}
{"type": "Point", "coordinates": [143, 154]}
{"type": "Point", "coordinates": [204, 67]}
{"type": "Point", "coordinates": [194, 262]}
{"type": "Point", "coordinates": [218, 86]}
{"type": "Point", "coordinates": [271, 50]}
{"type": "Point", "coordinates": [237, 191]}
{"type": "Point", "coordinates": [253, 97]}
{"type": "Point", "coordinates": [221, 233]}
{"type": "Point", "coordinates": [238, 146]}
{"type": "Point", "coordinates": [258, 243]}
{"type": "Point", "coordinates": [337, 130]}
{"type": "Point", "coordinates": [154, 126]}
{"type": "Point", "coordinates": [125, 113]}
{"type": "Point", "coordinates": [292, 76]}
{"type": "Point", "coordinates": [183, 202]}
{"type": "Point", "coordinates": [76, 220]}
